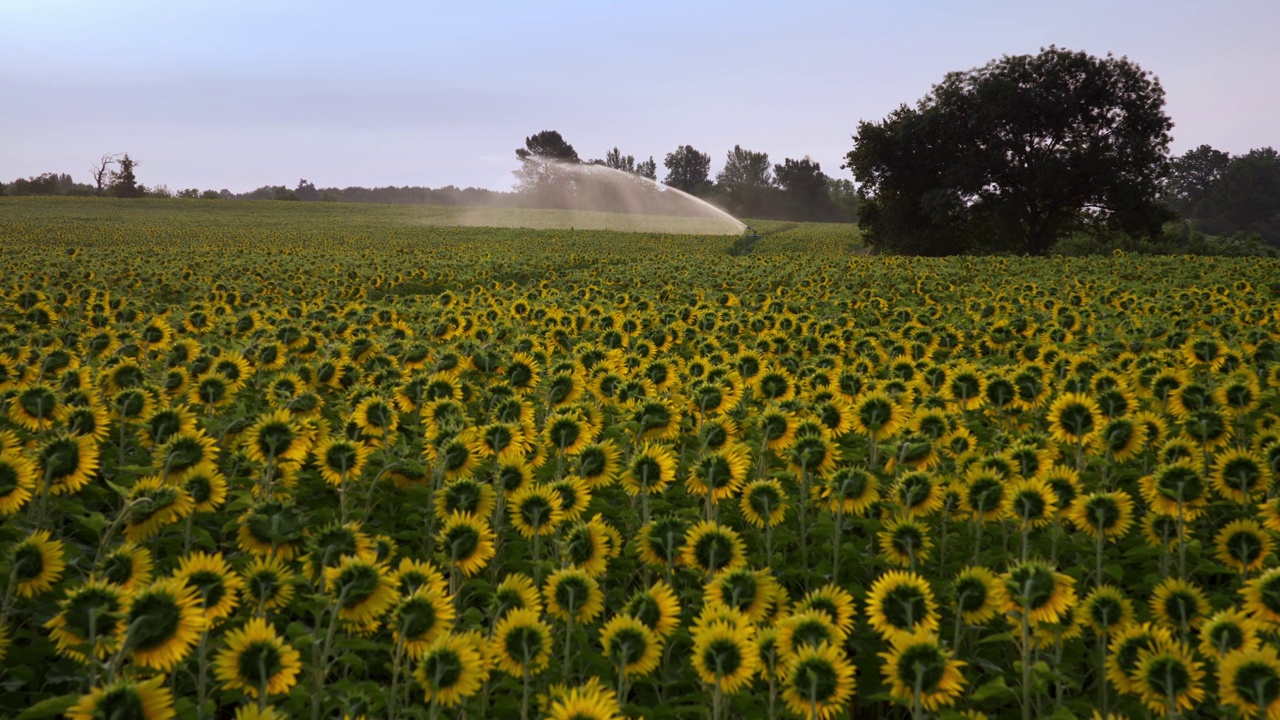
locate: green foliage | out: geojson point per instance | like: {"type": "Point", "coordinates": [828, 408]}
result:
{"type": "Point", "coordinates": [1013, 155]}
{"type": "Point", "coordinates": [687, 169]}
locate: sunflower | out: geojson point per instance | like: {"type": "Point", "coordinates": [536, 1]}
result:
{"type": "Point", "coordinates": [661, 542]}
{"type": "Point", "coordinates": [777, 428]}
{"type": "Point", "coordinates": [1103, 515]}
{"type": "Point", "coordinates": [269, 582]}
{"type": "Point", "coordinates": [272, 528]}
{"type": "Point", "coordinates": [66, 462]}
{"type": "Point", "coordinates": [901, 601]}
{"type": "Point", "coordinates": [467, 496]}
{"type": "Point", "coordinates": [650, 470]}
{"type": "Point", "coordinates": [833, 600]}
{"type": "Point", "coordinates": [710, 547]}
{"type": "Point", "coordinates": [36, 408]}
{"type": "Point", "coordinates": [521, 643]}
{"type": "Point", "coordinates": [657, 418]}
{"type": "Point", "coordinates": [1106, 609]}
{"type": "Point", "coordinates": [162, 623]}
{"type": "Point", "coordinates": [630, 646]}
{"type": "Point", "coordinates": [598, 464]}
{"type": "Point", "coordinates": [419, 618]}
{"type": "Point", "coordinates": [574, 496]}
{"type": "Point", "coordinates": [164, 423]}
{"type": "Point", "coordinates": [182, 452]}
{"type": "Point", "coordinates": [568, 433]}
{"type": "Point", "coordinates": [720, 472]}
{"type": "Point", "coordinates": [1239, 475]}
{"type": "Point", "coordinates": [1074, 418]}
{"type": "Point", "coordinates": [807, 627]}
{"type": "Point", "coordinates": [979, 594]}
{"type": "Point", "coordinates": [255, 659]}
{"type": "Point", "coordinates": [1033, 590]}
{"type": "Point", "coordinates": [983, 494]}
{"type": "Point", "coordinates": [1174, 489]}
{"type": "Point", "coordinates": [725, 655]}
{"type": "Point", "coordinates": [904, 542]}
{"type": "Point", "coordinates": [206, 486]}
{"type": "Point", "coordinates": [37, 564]}
{"type": "Point", "coordinates": [535, 510]}
{"type": "Point", "coordinates": [450, 670]}
{"type": "Point", "coordinates": [376, 417]}
{"type": "Point", "coordinates": [1262, 596]}
{"type": "Point", "coordinates": [918, 494]}
{"type": "Point", "coordinates": [127, 566]}
{"type": "Point", "coordinates": [276, 437]}
{"type": "Point", "coordinates": [848, 490]}
{"type": "Point", "coordinates": [17, 481]}
{"type": "Point", "coordinates": [153, 504]}
{"type": "Point", "coordinates": [1228, 631]}
{"type": "Point", "coordinates": [1030, 501]}
{"type": "Point", "coordinates": [965, 386]}
{"type": "Point", "coordinates": [517, 591]}
{"type": "Point", "coordinates": [877, 416]}
{"type": "Point", "coordinates": [763, 503]}
{"type": "Point", "coordinates": [1169, 678]}
{"type": "Point", "coordinates": [817, 681]}
{"type": "Point", "coordinates": [589, 702]}
{"type": "Point", "coordinates": [88, 620]}
{"type": "Point", "coordinates": [132, 699]}
{"type": "Point", "coordinates": [467, 542]}
{"type": "Point", "coordinates": [571, 593]}
{"type": "Point", "coordinates": [743, 589]}
{"type": "Point", "coordinates": [340, 458]}
{"type": "Point", "coordinates": [217, 585]}
{"type": "Point", "coordinates": [657, 607]}
{"type": "Point", "coordinates": [1249, 682]}
{"type": "Point", "coordinates": [362, 589]}
{"type": "Point", "coordinates": [813, 454]}
{"type": "Point", "coordinates": [1126, 644]}
{"type": "Point", "coordinates": [88, 420]}
{"type": "Point", "coordinates": [1242, 545]}
{"type": "Point", "coordinates": [1123, 438]}
{"type": "Point", "coordinates": [918, 669]}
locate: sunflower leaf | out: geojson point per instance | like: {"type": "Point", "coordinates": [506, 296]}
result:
{"type": "Point", "coordinates": [49, 707]}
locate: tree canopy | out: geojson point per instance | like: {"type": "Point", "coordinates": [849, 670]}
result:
{"type": "Point", "coordinates": [687, 169]}
{"type": "Point", "coordinates": [746, 178]}
{"type": "Point", "coordinates": [1223, 194]}
{"type": "Point", "coordinates": [1015, 154]}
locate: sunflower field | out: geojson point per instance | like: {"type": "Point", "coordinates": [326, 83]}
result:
{"type": "Point", "coordinates": [290, 462]}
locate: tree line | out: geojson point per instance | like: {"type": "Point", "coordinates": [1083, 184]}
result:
{"type": "Point", "coordinates": [1030, 151]}
{"type": "Point", "coordinates": [749, 185]}
{"type": "Point", "coordinates": [1020, 155]}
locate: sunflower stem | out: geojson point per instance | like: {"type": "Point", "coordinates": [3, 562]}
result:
{"type": "Point", "coordinates": [1025, 622]}
{"type": "Point", "coordinates": [524, 694]}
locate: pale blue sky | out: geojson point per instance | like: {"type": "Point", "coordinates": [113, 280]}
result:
{"type": "Point", "coordinates": [239, 93]}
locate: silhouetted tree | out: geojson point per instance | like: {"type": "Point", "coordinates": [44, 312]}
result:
{"type": "Point", "coordinates": [1014, 154]}
{"type": "Point", "coordinates": [804, 188]}
{"type": "Point", "coordinates": [124, 183]}
{"type": "Point", "coordinates": [101, 171]}
{"type": "Point", "coordinates": [306, 191]}
{"type": "Point", "coordinates": [1245, 197]}
{"type": "Point", "coordinates": [1191, 176]}
{"type": "Point", "coordinates": [647, 168]}
{"type": "Point", "coordinates": [537, 176]}
{"type": "Point", "coordinates": [687, 169]}
{"type": "Point", "coordinates": [844, 198]}
{"type": "Point", "coordinates": [616, 160]}
{"type": "Point", "coordinates": [745, 179]}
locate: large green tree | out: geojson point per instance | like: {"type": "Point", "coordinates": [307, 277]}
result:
{"type": "Point", "coordinates": [687, 169]}
{"type": "Point", "coordinates": [124, 182]}
{"type": "Point", "coordinates": [539, 175]}
{"type": "Point", "coordinates": [1015, 154]}
{"type": "Point", "coordinates": [804, 188]}
{"type": "Point", "coordinates": [746, 178]}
